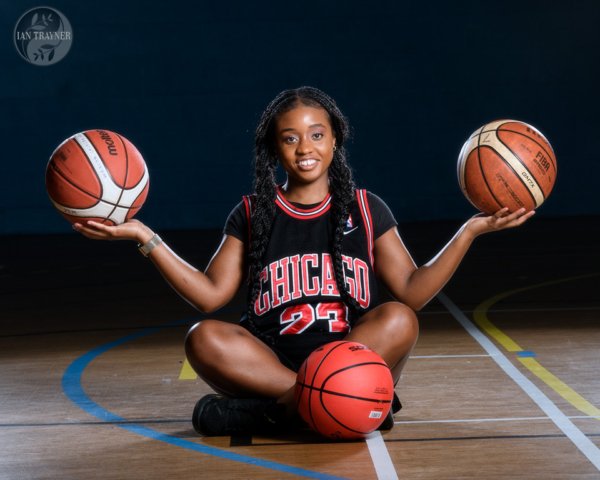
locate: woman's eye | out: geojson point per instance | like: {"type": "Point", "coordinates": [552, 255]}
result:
{"type": "Point", "coordinates": [289, 139]}
{"type": "Point", "coordinates": [317, 136]}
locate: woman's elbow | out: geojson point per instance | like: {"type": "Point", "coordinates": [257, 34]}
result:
{"type": "Point", "coordinates": [211, 304]}
{"type": "Point", "coordinates": [207, 307]}
{"type": "Point", "coordinates": [414, 304]}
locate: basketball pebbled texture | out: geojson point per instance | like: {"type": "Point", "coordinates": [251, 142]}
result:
{"type": "Point", "coordinates": [97, 175]}
{"type": "Point", "coordinates": [344, 390]}
{"type": "Point", "coordinates": [506, 163]}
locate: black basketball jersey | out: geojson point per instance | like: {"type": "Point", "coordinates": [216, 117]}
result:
{"type": "Point", "coordinates": [299, 296]}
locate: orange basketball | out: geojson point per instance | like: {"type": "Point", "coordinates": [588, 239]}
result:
{"type": "Point", "coordinates": [506, 163]}
{"type": "Point", "coordinates": [97, 175]}
{"type": "Point", "coordinates": [344, 390]}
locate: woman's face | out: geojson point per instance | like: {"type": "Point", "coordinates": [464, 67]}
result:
{"type": "Point", "coordinates": [304, 140]}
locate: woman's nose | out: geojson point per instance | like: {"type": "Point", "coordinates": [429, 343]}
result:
{"type": "Point", "coordinates": [304, 146]}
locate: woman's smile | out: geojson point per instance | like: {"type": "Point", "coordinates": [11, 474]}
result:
{"type": "Point", "coordinates": [307, 164]}
{"type": "Point", "coordinates": [305, 143]}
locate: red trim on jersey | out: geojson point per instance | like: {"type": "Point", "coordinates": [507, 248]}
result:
{"type": "Point", "coordinates": [365, 211]}
{"type": "Point", "coordinates": [248, 207]}
{"type": "Point", "coordinates": [302, 213]}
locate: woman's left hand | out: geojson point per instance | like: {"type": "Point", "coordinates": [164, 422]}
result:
{"type": "Point", "coordinates": [502, 219]}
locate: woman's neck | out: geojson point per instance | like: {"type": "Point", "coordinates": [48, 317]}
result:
{"type": "Point", "coordinates": [306, 194]}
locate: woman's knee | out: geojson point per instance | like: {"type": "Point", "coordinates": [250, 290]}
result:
{"type": "Point", "coordinates": [206, 339]}
{"type": "Point", "coordinates": [391, 325]}
{"type": "Point", "coordinates": [198, 333]}
{"type": "Point", "coordinates": [397, 318]}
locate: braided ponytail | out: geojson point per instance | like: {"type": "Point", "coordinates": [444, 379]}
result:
{"type": "Point", "coordinates": [342, 184]}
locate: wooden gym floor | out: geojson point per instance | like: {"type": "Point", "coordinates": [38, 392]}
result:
{"type": "Point", "coordinates": [504, 380]}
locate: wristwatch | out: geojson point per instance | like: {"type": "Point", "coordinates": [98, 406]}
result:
{"type": "Point", "coordinates": [150, 245]}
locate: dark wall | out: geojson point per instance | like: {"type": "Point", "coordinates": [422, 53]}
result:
{"type": "Point", "coordinates": [186, 82]}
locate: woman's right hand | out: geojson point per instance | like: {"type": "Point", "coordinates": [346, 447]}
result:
{"type": "Point", "coordinates": [130, 230]}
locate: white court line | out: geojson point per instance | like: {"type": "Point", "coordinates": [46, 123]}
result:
{"type": "Point", "coordinates": [448, 356]}
{"type": "Point", "coordinates": [545, 309]}
{"type": "Point", "coordinates": [474, 420]}
{"type": "Point", "coordinates": [384, 467]}
{"type": "Point", "coordinates": [583, 443]}
{"type": "Point", "coordinates": [503, 419]}
{"type": "Point", "coordinates": [522, 309]}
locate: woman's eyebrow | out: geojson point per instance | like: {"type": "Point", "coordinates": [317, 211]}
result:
{"type": "Point", "coordinates": [310, 126]}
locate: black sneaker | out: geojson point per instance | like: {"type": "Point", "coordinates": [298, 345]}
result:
{"type": "Point", "coordinates": [388, 421]}
{"type": "Point", "coordinates": [215, 415]}
{"type": "Point", "coordinates": [396, 405]}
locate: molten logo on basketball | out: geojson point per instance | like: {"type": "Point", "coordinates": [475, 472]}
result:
{"type": "Point", "coordinates": [97, 175]}
{"type": "Point", "coordinates": [110, 144]}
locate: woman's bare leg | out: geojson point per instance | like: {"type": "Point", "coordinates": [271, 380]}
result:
{"type": "Point", "coordinates": [390, 329]}
{"type": "Point", "coordinates": [236, 363]}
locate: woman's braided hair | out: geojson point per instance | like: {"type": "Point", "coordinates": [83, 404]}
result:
{"type": "Point", "coordinates": [340, 179]}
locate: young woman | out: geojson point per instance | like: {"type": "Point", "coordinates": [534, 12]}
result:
{"type": "Point", "coordinates": [311, 251]}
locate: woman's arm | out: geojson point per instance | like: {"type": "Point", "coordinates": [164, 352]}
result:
{"type": "Point", "coordinates": [417, 286]}
{"type": "Point", "coordinates": [206, 291]}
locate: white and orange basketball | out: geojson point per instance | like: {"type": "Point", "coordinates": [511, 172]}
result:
{"type": "Point", "coordinates": [97, 175]}
{"type": "Point", "coordinates": [506, 163]}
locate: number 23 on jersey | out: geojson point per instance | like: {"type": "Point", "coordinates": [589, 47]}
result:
{"type": "Point", "coordinates": [297, 318]}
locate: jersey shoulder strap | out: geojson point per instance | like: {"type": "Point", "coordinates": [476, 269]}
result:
{"type": "Point", "coordinates": [365, 212]}
{"type": "Point", "coordinates": [248, 208]}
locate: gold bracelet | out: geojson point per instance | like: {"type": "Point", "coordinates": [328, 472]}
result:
{"type": "Point", "coordinates": [150, 245]}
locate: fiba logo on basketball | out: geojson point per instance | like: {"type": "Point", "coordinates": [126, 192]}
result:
{"type": "Point", "coordinates": [43, 36]}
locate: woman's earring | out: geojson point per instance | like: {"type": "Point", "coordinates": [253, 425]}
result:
{"type": "Point", "coordinates": [334, 148]}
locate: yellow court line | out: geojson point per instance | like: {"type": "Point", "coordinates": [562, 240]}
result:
{"type": "Point", "coordinates": [481, 319]}
{"type": "Point", "coordinates": [187, 372]}
{"type": "Point", "coordinates": [560, 387]}
{"type": "Point", "coordinates": [493, 331]}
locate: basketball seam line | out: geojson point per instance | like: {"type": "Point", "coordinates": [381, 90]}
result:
{"type": "Point", "coordinates": [532, 139]}
{"type": "Point", "coordinates": [339, 394]}
{"type": "Point", "coordinates": [526, 167]}
{"type": "Point", "coordinates": [512, 170]}
{"type": "Point", "coordinates": [60, 173]}
{"type": "Point", "coordinates": [100, 199]}
{"type": "Point", "coordinates": [107, 217]}
{"type": "Point", "coordinates": [479, 162]}
{"type": "Point", "coordinates": [92, 167]}
{"type": "Point", "coordinates": [310, 413]}
{"type": "Point", "coordinates": [521, 161]}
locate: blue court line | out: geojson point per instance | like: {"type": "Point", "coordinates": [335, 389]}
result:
{"type": "Point", "coordinates": [71, 385]}
{"type": "Point", "coordinates": [526, 354]}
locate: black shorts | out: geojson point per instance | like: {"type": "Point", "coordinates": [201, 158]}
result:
{"type": "Point", "coordinates": [292, 350]}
